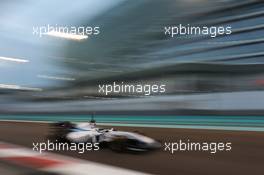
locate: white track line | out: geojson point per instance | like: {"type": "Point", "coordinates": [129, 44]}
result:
{"type": "Point", "coordinates": [50, 162]}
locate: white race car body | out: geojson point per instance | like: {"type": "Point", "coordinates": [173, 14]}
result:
{"type": "Point", "coordinates": [88, 132]}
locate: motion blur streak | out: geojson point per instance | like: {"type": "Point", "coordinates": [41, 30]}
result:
{"type": "Point", "coordinates": [14, 59]}
{"type": "Point", "coordinates": [16, 87]}
{"type": "Point", "coordinates": [56, 78]}
{"type": "Point", "coordinates": [67, 35]}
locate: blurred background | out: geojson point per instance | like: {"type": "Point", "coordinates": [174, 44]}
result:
{"type": "Point", "coordinates": [214, 86]}
{"type": "Point", "coordinates": [202, 74]}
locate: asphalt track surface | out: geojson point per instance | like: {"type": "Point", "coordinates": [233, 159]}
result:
{"type": "Point", "coordinates": [246, 157]}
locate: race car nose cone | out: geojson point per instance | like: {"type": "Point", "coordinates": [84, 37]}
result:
{"type": "Point", "coordinates": [154, 145]}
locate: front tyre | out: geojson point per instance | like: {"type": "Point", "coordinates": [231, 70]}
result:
{"type": "Point", "coordinates": [118, 145]}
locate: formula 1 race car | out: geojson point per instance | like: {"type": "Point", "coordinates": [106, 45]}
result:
{"type": "Point", "coordinates": [119, 141]}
